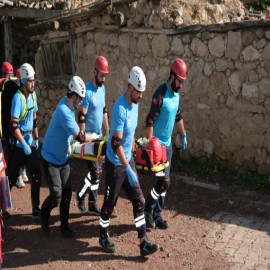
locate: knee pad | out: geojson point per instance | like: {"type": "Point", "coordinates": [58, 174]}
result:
{"type": "Point", "coordinates": [163, 185]}
{"type": "Point", "coordinates": [139, 204]}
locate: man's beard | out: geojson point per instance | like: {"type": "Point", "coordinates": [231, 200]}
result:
{"type": "Point", "coordinates": [98, 82]}
{"type": "Point", "coordinates": [29, 90]}
{"type": "Point", "coordinates": [174, 88]}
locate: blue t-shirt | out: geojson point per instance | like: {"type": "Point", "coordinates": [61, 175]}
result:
{"type": "Point", "coordinates": [163, 126]}
{"type": "Point", "coordinates": [26, 123]}
{"type": "Point", "coordinates": [94, 103]}
{"type": "Point", "coordinates": [124, 119]}
{"type": "Point", "coordinates": [59, 134]}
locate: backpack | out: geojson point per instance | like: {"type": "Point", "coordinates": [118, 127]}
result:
{"type": "Point", "coordinates": [9, 88]}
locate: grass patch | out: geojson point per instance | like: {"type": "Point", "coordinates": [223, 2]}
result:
{"type": "Point", "coordinates": [212, 171]}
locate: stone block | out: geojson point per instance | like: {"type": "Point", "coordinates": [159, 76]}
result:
{"type": "Point", "coordinates": [160, 45]}
{"type": "Point", "coordinates": [143, 44]}
{"type": "Point", "coordinates": [234, 45]}
{"type": "Point", "coordinates": [250, 54]}
{"type": "Point", "coordinates": [250, 91]}
{"type": "Point", "coordinates": [266, 52]}
{"type": "Point", "coordinates": [217, 46]}
{"type": "Point", "coordinates": [177, 47]}
{"type": "Point", "coordinates": [198, 48]}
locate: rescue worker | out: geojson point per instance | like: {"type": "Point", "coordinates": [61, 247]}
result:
{"type": "Point", "coordinates": [164, 113]}
{"type": "Point", "coordinates": [92, 114]}
{"type": "Point", "coordinates": [7, 73]}
{"type": "Point", "coordinates": [55, 155]}
{"type": "Point", "coordinates": [23, 178]}
{"type": "Point", "coordinates": [7, 70]}
{"type": "Point", "coordinates": [120, 169]}
{"type": "Point", "coordinates": [23, 125]}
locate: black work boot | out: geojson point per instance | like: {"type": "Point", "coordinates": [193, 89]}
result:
{"type": "Point", "coordinates": [44, 215]}
{"type": "Point", "coordinates": [150, 223]}
{"type": "Point", "coordinates": [161, 223]}
{"type": "Point", "coordinates": [35, 213]}
{"type": "Point", "coordinates": [44, 222]}
{"type": "Point", "coordinates": [80, 203]}
{"type": "Point", "coordinates": [80, 194]}
{"type": "Point", "coordinates": [93, 209]}
{"type": "Point", "coordinates": [107, 244]}
{"type": "Point", "coordinates": [148, 248]}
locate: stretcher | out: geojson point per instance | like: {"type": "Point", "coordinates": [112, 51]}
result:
{"type": "Point", "coordinates": [145, 158]}
{"type": "Point", "coordinates": [94, 150]}
{"type": "Point", "coordinates": [89, 151]}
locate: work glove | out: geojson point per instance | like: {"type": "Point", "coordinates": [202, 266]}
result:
{"type": "Point", "coordinates": [184, 141]}
{"type": "Point", "coordinates": [26, 148]}
{"type": "Point", "coordinates": [132, 177]}
{"type": "Point", "coordinates": [36, 143]}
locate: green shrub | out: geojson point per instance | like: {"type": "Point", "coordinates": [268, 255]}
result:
{"type": "Point", "coordinates": [259, 5]}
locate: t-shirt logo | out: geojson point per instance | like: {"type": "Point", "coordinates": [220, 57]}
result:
{"type": "Point", "coordinates": [128, 121]}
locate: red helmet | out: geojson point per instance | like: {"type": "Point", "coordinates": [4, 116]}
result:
{"type": "Point", "coordinates": [102, 64]}
{"type": "Point", "coordinates": [179, 68]}
{"type": "Point", "coordinates": [18, 73]}
{"type": "Point", "coordinates": [7, 68]}
{"type": "Point", "coordinates": [155, 146]}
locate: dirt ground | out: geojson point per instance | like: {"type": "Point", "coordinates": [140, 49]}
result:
{"type": "Point", "coordinates": [183, 246]}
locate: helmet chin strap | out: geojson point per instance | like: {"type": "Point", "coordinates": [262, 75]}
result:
{"type": "Point", "coordinates": [74, 104]}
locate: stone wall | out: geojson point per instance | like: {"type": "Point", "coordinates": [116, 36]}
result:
{"type": "Point", "coordinates": [225, 99]}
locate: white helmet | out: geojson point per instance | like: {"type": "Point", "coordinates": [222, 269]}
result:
{"type": "Point", "coordinates": [77, 86]}
{"type": "Point", "coordinates": [26, 71]}
{"type": "Point", "coordinates": [137, 78]}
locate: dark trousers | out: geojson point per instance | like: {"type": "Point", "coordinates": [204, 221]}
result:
{"type": "Point", "coordinates": [16, 159]}
{"type": "Point", "coordinates": [59, 182]}
{"type": "Point", "coordinates": [90, 183]}
{"type": "Point", "coordinates": [156, 199]}
{"type": "Point", "coordinates": [115, 179]}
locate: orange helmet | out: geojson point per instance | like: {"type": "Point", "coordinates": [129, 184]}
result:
{"type": "Point", "coordinates": [102, 65]}
{"type": "Point", "coordinates": [7, 68]}
{"type": "Point", "coordinates": [179, 68]}
{"type": "Point", "coordinates": [155, 146]}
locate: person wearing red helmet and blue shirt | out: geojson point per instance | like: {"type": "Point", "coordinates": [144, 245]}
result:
{"type": "Point", "coordinates": [92, 115]}
{"type": "Point", "coordinates": [164, 113]}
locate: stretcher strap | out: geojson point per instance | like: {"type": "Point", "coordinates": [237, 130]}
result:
{"type": "Point", "coordinates": [82, 151]}
{"type": "Point", "coordinates": [100, 148]}
{"type": "Point", "coordinates": [145, 156]}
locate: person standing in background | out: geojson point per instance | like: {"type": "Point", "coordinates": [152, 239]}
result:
{"type": "Point", "coordinates": [23, 124]}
